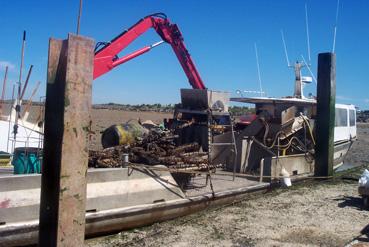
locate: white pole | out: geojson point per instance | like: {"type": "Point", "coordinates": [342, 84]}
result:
{"type": "Point", "coordinates": [285, 49]}
{"type": "Point", "coordinates": [335, 27]}
{"type": "Point", "coordinates": [307, 34]}
{"type": "Point", "coordinates": [257, 63]}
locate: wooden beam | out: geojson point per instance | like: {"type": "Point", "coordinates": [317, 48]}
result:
{"type": "Point", "coordinates": [67, 120]}
{"type": "Point", "coordinates": [326, 100]}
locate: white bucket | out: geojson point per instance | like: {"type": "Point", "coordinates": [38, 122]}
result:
{"type": "Point", "coordinates": [286, 180]}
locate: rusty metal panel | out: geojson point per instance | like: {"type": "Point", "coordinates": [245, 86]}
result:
{"type": "Point", "coordinates": [297, 164]}
{"type": "Point", "coordinates": [202, 99]}
{"type": "Point", "coordinates": [223, 154]}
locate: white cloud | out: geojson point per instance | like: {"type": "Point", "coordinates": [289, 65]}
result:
{"type": "Point", "coordinates": [3, 65]}
{"type": "Point", "coordinates": [341, 97]}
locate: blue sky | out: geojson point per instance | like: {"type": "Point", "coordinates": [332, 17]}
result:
{"type": "Point", "coordinates": [220, 36]}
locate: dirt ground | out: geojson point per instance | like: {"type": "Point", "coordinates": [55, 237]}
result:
{"type": "Point", "coordinates": [359, 153]}
{"type": "Point", "coordinates": [311, 213]}
{"type": "Point", "coordinates": [326, 214]}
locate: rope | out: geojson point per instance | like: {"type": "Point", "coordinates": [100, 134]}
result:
{"type": "Point", "coordinates": [309, 128]}
{"type": "Point", "coordinates": [188, 171]}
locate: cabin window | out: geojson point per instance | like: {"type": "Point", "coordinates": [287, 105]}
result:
{"type": "Point", "coordinates": [352, 117]}
{"type": "Point", "coordinates": [341, 117]}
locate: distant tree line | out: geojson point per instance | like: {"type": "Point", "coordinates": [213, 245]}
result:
{"type": "Point", "coordinates": [240, 110]}
{"type": "Point", "coordinates": [234, 110]}
{"type": "Point", "coordinates": [362, 116]}
{"type": "Point", "coordinates": [141, 107]}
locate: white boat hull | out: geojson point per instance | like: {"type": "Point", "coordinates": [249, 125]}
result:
{"type": "Point", "coordinates": [26, 136]}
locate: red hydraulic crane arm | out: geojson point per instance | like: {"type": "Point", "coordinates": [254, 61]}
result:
{"type": "Point", "coordinates": [106, 57]}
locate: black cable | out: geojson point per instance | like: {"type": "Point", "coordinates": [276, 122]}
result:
{"type": "Point", "coordinates": [158, 14]}
{"type": "Point", "coordinates": [100, 45]}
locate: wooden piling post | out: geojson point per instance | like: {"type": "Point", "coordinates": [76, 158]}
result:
{"type": "Point", "coordinates": [67, 120]}
{"type": "Point", "coordinates": [326, 99]}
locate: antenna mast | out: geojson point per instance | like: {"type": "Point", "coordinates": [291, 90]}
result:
{"type": "Point", "coordinates": [257, 63]}
{"type": "Point", "coordinates": [308, 67]}
{"type": "Point", "coordinates": [335, 27]}
{"type": "Point", "coordinates": [307, 34]}
{"type": "Point", "coordinates": [299, 80]}
{"type": "Point", "coordinates": [285, 49]}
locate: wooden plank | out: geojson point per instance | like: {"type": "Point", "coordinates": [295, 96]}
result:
{"type": "Point", "coordinates": [326, 99]}
{"type": "Point", "coordinates": [67, 120]}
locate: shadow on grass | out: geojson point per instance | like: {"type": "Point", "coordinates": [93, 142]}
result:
{"type": "Point", "coordinates": [350, 201]}
{"type": "Point", "coordinates": [363, 238]}
{"type": "Point", "coordinates": [365, 234]}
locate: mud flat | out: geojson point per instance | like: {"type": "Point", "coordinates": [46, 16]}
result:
{"type": "Point", "coordinates": [104, 118]}
{"type": "Point", "coordinates": [326, 214]}
{"type": "Point", "coordinates": [359, 153]}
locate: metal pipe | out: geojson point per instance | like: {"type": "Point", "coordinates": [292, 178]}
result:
{"type": "Point", "coordinates": [135, 54]}
{"type": "Point", "coordinates": [26, 83]}
{"type": "Point", "coordinates": [21, 65]}
{"type": "Point", "coordinates": [10, 119]}
{"type": "Point", "coordinates": [17, 108]}
{"type": "Point", "coordinates": [3, 92]}
{"type": "Point", "coordinates": [79, 16]}
{"type": "Point", "coordinates": [29, 103]}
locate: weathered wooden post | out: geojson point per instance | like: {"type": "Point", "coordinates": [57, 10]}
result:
{"type": "Point", "coordinates": [67, 119]}
{"type": "Point", "coordinates": [326, 94]}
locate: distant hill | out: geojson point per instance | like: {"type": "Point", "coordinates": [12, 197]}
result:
{"type": "Point", "coordinates": [362, 116]}
{"type": "Point", "coordinates": [143, 107]}
{"type": "Point", "coordinates": [235, 110]}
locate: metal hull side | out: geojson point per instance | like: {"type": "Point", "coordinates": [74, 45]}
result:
{"type": "Point", "coordinates": [340, 151]}
{"type": "Point", "coordinates": [106, 189]}
{"type": "Point", "coordinates": [114, 220]}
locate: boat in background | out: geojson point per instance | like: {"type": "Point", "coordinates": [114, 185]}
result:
{"type": "Point", "coordinates": [345, 132]}
{"type": "Point", "coordinates": [27, 140]}
{"type": "Point", "coordinates": [29, 131]}
{"type": "Point", "coordinates": [285, 109]}
{"type": "Point", "coordinates": [20, 131]}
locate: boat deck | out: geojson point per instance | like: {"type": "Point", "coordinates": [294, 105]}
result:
{"type": "Point", "coordinates": [118, 200]}
{"type": "Point", "coordinates": [222, 181]}
{"type": "Point", "coordinates": [6, 171]}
